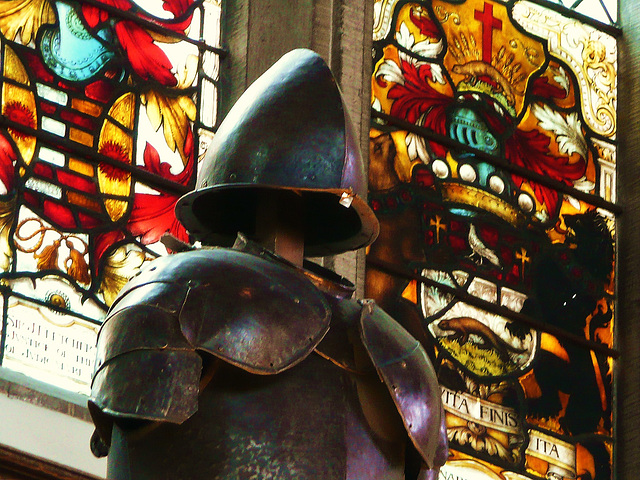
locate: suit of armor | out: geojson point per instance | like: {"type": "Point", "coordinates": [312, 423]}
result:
{"type": "Point", "coordinates": [235, 363]}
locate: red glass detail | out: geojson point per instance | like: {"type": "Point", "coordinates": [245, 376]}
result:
{"type": "Point", "coordinates": [7, 158]}
{"type": "Point", "coordinates": [104, 240]}
{"type": "Point", "coordinates": [489, 24]}
{"type": "Point", "coordinates": [77, 119]}
{"type": "Point", "coordinates": [489, 235]}
{"type": "Point", "coordinates": [423, 176]}
{"type": "Point", "coordinates": [429, 237]}
{"type": "Point", "coordinates": [60, 214]}
{"type": "Point", "coordinates": [43, 170]}
{"type": "Point", "coordinates": [100, 91]}
{"type": "Point", "coordinates": [153, 215]}
{"type": "Point", "coordinates": [456, 226]}
{"type": "Point", "coordinates": [427, 27]}
{"type": "Point", "coordinates": [88, 221]}
{"type": "Point", "coordinates": [145, 57]}
{"type": "Point", "coordinates": [48, 108]}
{"type": "Point", "coordinates": [37, 66]}
{"type": "Point", "coordinates": [78, 182]}
{"type": "Point", "coordinates": [117, 152]}
{"type": "Point", "coordinates": [506, 254]}
{"type": "Point", "coordinates": [543, 88]}
{"type": "Point", "coordinates": [457, 243]}
{"type": "Point", "coordinates": [19, 113]}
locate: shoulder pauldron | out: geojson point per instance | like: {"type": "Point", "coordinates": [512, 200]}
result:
{"type": "Point", "coordinates": [404, 367]}
{"type": "Point", "coordinates": [246, 310]}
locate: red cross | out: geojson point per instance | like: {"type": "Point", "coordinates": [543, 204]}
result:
{"type": "Point", "coordinates": [489, 24]}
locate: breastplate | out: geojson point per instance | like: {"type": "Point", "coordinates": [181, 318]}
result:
{"type": "Point", "coordinates": [301, 381]}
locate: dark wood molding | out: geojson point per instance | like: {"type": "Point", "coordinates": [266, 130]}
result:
{"type": "Point", "coordinates": [17, 465]}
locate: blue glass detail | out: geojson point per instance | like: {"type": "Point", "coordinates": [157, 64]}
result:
{"type": "Point", "coordinates": [70, 50]}
{"type": "Point", "coordinates": [463, 212]}
{"type": "Point", "coordinates": [468, 128]}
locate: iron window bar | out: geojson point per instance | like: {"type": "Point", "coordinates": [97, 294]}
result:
{"type": "Point", "coordinates": [499, 162]}
{"type": "Point", "coordinates": [464, 296]}
{"type": "Point", "coordinates": [570, 12]}
{"type": "Point", "coordinates": [6, 290]}
{"type": "Point", "coordinates": [89, 154]}
{"type": "Point", "coordinates": [149, 24]}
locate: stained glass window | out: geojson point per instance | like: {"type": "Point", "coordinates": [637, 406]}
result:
{"type": "Point", "coordinates": [107, 106]}
{"type": "Point", "coordinates": [492, 171]}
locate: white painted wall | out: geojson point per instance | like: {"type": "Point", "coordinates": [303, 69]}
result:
{"type": "Point", "coordinates": [48, 434]}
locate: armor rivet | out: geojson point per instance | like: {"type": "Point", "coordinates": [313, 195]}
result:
{"type": "Point", "coordinates": [296, 300]}
{"type": "Point", "coordinates": [403, 364]}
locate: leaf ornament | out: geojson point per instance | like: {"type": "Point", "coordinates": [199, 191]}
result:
{"type": "Point", "coordinates": [529, 149]}
{"type": "Point", "coordinates": [174, 113]}
{"type": "Point", "coordinates": [153, 215]}
{"type": "Point", "coordinates": [25, 17]}
{"type": "Point", "coordinates": [146, 59]}
{"type": "Point", "coordinates": [568, 130]}
{"type": "Point", "coordinates": [94, 16]}
{"type": "Point", "coordinates": [120, 266]}
{"type": "Point", "coordinates": [389, 71]}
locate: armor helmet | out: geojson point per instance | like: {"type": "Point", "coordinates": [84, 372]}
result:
{"type": "Point", "coordinates": [288, 131]}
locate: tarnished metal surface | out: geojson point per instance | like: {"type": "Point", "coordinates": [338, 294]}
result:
{"type": "Point", "coordinates": [139, 327]}
{"type": "Point", "coordinates": [303, 424]}
{"type": "Point", "coordinates": [149, 385]}
{"type": "Point", "coordinates": [253, 313]}
{"type": "Point", "coordinates": [272, 409]}
{"type": "Point", "coordinates": [168, 296]}
{"type": "Point", "coordinates": [337, 345]}
{"type": "Point", "coordinates": [405, 368]}
{"type": "Point", "coordinates": [312, 416]}
{"type": "Point", "coordinates": [304, 143]}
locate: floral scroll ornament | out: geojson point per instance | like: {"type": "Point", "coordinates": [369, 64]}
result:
{"type": "Point", "coordinates": [591, 54]}
{"type": "Point", "coordinates": [150, 85]}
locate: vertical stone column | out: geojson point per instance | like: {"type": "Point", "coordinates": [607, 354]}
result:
{"type": "Point", "coordinates": [258, 32]}
{"type": "Point", "coordinates": [627, 398]}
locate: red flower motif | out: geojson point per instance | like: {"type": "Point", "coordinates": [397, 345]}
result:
{"type": "Point", "coordinates": [19, 113]}
{"type": "Point", "coordinates": [117, 152]}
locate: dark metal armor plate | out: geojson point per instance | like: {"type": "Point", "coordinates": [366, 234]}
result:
{"type": "Point", "coordinates": [296, 390]}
